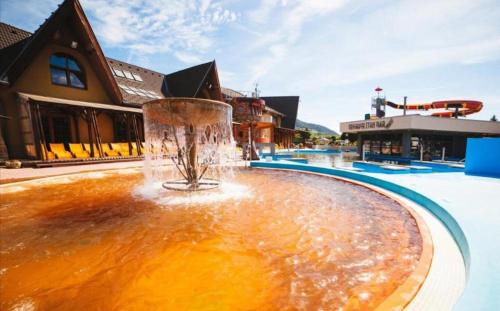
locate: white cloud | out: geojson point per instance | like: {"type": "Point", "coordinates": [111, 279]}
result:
{"type": "Point", "coordinates": [158, 26]}
{"type": "Point", "coordinates": [393, 39]}
{"type": "Point", "coordinates": [292, 18]}
{"type": "Point", "coordinates": [187, 57]}
{"type": "Point", "coordinates": [33, 12]}
{"type": "Point", "coordinates": [263, 12]}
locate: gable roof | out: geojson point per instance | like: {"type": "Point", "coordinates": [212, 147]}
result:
{"type": "Point", "coordinates": [187, 82]}
{"type": "Point", "coordinates": [288, 105]}
{"type": "Point", "coordinates": [69, 10]}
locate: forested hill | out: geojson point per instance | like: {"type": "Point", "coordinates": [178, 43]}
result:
{"type": "Point", "coordinates": [300, 125]}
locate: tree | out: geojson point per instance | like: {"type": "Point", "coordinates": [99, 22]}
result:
{"type": "Point", "coordinates": [301, 136]}
{"type": "Point", "coordinates": [494, 118]}
{"type": "Point", "coordinates": [333, 138]}
{"type": "Point", "coordinates": [351, 137]}
{"type": "Point", "coordinates": [305, 135]}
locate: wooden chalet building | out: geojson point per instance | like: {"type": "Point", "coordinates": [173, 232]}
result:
{"type": "Point", "coordinates": [275, 123]}
{"type": "Point", "coordinates": [59, 93]}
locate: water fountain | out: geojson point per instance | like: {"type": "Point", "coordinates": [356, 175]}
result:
{"type": "Point", "coordinates": [192, 134]}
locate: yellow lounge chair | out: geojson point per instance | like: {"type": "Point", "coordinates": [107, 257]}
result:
{"type": "Point", "coordinates": [96, 151]}
{"type": "Point", "coordinates": [78, 151]}
{"type": "Point", "coordinates": [125, 151]}
{"type": "Point", "coordinates": [122, 148]}
{"type": "Point", "coordinates": [109, 152]}
{"type": "Point", "coordinates": [60, 151]}
{"type": "Point", "coordinates": [50, 154]}
{"type": "Point", "coordinates": [134, 149]}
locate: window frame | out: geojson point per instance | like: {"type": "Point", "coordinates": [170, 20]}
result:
{"type": "Point", "coordinates": [137, 77]}
{"type": "Point", "coordinates": [128, 75]}
{"type": "Point", "coordinates": [68, 71]}
{"type": "Point", "coordinates": [115, 70]}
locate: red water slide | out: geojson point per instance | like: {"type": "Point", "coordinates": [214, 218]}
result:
{"type": "Point", "coordinates": [460, 107]}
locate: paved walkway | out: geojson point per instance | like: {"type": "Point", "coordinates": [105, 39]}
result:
{"type": "Point", "coordinates": [12, 175]}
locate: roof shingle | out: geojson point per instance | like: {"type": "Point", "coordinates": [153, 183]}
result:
{"type": "Point", "coordinates": [10, 35]}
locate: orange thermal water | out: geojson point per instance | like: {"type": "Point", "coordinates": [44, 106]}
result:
{"type": "Point", "coordinates": [275, 241]}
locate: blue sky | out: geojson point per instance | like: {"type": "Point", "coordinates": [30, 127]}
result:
{"type": "Point", "coordinates": [332, 53]}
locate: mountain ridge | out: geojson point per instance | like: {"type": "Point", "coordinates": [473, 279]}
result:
{"type": "Point", "coordinates": [299, 124]}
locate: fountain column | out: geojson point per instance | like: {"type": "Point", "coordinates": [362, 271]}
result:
{"type": "Point", "coordinates": [192, 135]}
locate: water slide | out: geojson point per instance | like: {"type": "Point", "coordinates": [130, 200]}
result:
{"type": "Point", "coordinates": [460, 107]}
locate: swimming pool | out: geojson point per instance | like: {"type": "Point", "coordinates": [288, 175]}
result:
{"type": "Point", "coordinates": [325, 158]}
{"type": "Point", "coordinates": [349, 160]}
{"type": "Point", "coordinates": [267, 240]}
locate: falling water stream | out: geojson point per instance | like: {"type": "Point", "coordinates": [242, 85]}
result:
{"type": "Point", "coordinates": [193, 135]}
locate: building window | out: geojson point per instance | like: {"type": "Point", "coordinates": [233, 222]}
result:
{"type": "Point", "coordinates": [64, 70]}
{"type": "Point", "coordinates": [137, 77]}
{"type": "Point", "coordinates": [118, 72]}
{"type": "Point", "coordinates": [128, 75]}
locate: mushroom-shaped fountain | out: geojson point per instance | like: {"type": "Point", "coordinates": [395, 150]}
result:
{"type": "Point", "coordinates": [194, 135]}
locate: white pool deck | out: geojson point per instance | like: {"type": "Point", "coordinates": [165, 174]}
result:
{"type": "Point", "coordinates": [12, 175]}
{"type": "Point", "coordinates": [446, 278]}
{"type": "Point", "coordinates": [474, 202]}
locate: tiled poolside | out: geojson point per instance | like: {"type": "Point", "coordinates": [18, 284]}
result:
{"type": "Point", "coordinates": [475, 203]}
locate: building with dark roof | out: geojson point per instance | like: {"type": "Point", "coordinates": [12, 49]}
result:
{"type": "Point", "coordinates": [274, 122]}
{"type": "Point", "coordinates": [57, 88]}
{"type": "Point", "coordinates": [288, 105]}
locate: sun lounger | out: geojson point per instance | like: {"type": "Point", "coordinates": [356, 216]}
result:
{"type": "Point", "coordinates": [78, 151]}
{"type": "Point", "coordinates": [50, 154]}
{"type": "Point", "coordinates": [60, 151]}
{"type": "Point", "coordinates": [124, 149]}
{"type": "Point", "coordinates": [120, 149]}
{"type": "Point", "coordinates": [110, 152]}
{"type": "Point", "coordinates": [134, 149]}
{"type": "Point", "coordinates": [96, 151]}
